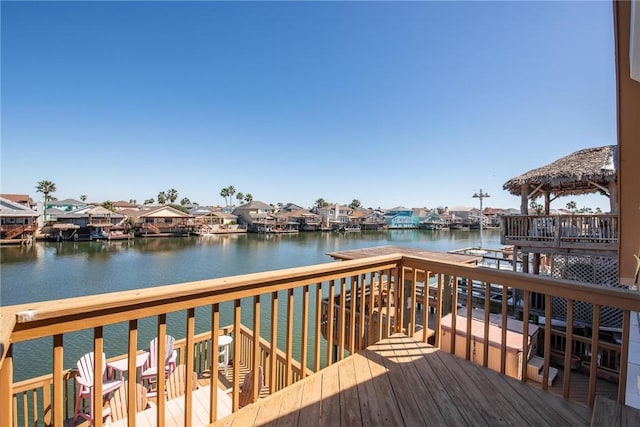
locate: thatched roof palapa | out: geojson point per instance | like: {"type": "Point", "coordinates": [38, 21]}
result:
{"type": "Point", "coordinates": [586, 171]}
{"type": "Point", "coordinates": [591, 170]}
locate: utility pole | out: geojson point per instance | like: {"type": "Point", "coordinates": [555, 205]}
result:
{"type": "Point", "coordinates": [480, 195]}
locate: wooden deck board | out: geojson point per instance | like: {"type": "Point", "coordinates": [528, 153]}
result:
{"type": "Point", "coordinates": [400, 381]}
{"type": "Point", "coordinates": [388, 250]}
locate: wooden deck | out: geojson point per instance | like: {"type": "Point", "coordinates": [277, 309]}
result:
{"type": "Point", "coordinates": [387, 250]}
{"type": "Point", "coordinates": [400, 381]}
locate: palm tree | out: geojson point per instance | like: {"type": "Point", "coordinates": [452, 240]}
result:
{"type": "Point", "coordinates": [162, 198]}
{"type": "Point", "coordinates": [172, 195]}
{"type": "Point", "coordinates": [185, 201]}
{"type": "Point", "coordinates": [149, 201]}
{"type": "Point", "coordinates": [225, 193]}
{"type": "Point", "coordinates": [240, 197]}
{"type": "Point", "coordinates": [109, 205]}
{"type": "Point", "coordinates": [572, 206]}
{"type": "Point", "coordinates": [248, 198]}
{"type": "Point", "coordinates": [232, 191]}
{"type": "Point", "coordinates": [46, 187]}
{"type": "Point", "coordinates": [321, 203]}
{"type": "Point", "coordinates": [83, 197]}
{"type": "Point", "coordinates": [355, 204]}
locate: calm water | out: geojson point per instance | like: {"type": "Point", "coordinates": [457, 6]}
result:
{"type": "Point", "coordinates": [48, 271]}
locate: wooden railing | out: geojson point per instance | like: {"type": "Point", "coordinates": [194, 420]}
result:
{"type": "Point", "coordinates": [285, 293]}
{"type": "Point", "coordinates": [587, 232]}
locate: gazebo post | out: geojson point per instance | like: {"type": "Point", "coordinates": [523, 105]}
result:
{"type": "Point", "coordinates": [613, 196]}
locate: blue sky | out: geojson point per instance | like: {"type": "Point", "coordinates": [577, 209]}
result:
{"type": "Point", "coordinates": [411, 103]}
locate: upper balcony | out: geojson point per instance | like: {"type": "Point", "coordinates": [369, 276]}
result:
{"type": "Point", "coordinates": [404, 376]}
{"type": "Point", "coordinates": [583, 234]}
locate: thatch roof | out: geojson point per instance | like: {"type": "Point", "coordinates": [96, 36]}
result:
{"type": "Point", "coordinates": [583, 172]}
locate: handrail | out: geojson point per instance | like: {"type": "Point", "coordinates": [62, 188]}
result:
{"type": "Point", "coordinates": [402, 274]}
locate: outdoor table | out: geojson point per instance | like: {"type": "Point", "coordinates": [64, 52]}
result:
{"type": "Point", "coordinates": [122, 365]}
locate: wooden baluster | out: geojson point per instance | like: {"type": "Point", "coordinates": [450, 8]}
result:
{"type": "Point", "coordinates": [454, 313]}
{"type": "Point", "coordinates": [342, 318]}
{"type": "Point", "coordinates": [469, 317]}
{"type": "Point", "coordinates": [304, 333]}
{"type": "Point", "coordinates": [593, 370]}
{"type": "Point", "coordinates": [400, 301]}
{"type": "Point", "coordinates": [361, 330]}
{"type": "Point", "coordinates": [372, 296]}
{"type": "Point", "coordinates": [288, 373]}
{"type": "Point", "coordinates": [412, 308]}
{"type": "Point", "coordinates": [316, 344]}
{"type": "Point", "coordinates": [131, 369]}
{"type": "Point", "coordinates": [273, 358]}
{"type": "Point", "coordinates": [525, 334]}
{"type": "Point", "coordinates": [255, 357]}
{"type": "Point", "coordinates": [487, 311]}
{"type": "Point", "coordinates": [330, 329]}
{"type": "Point", "coordinates": [237, 317]}
{"type": "Point", "coordinates": [213, 362]}
{"type": "Point", "coordinates": [426, 306]}
{"type": "Point", "coordinates": [390, 292]}
{"type": "Point", "coordinates": [352, 313]}
{"type": "Point", "coordinates": [188, 354]}
{"type": "Point", "coordinates": [547, 341]}
{"type": "Point", "coordinates": [381, 289]}
{"type": "Point", "coordinates": [568, 350]}
{"type": "Point", "coordinates": [624, 356]}
{"type": "Point", "coordinates": [504, 328]}
{"type": "Point", "coordinates": [439, 309]}
{"type": "Point", "coordinates": [58, 397]}
{"type": "Point", "coordinates": [98, 349]}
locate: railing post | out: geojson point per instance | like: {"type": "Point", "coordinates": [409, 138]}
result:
{"type": "Point", "coordinates": [6, 388]}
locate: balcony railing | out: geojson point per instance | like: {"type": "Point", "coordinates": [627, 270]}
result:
{"type": "Point", "coordinates": [583, 232]}
{"type": "Point", "coordinates": [297, 293]}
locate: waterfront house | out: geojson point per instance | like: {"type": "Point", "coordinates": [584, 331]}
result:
{"type": "Point", "coordinates": [368, 219]}
{"type": "Point", "coordinates": [162, 221]}
{"type": "Point", "coordinates": [18, 223]}
{"type": "Point", "coordinates": [402, 376]}
{"type": "Point", "coordinates": [123, 205]}
{"type": "Point", "coordinates": [256, 216]}
{"type": "Point", "coordinates": [335, 215]}
{"type": "Point", "coordinates": [22, 199]}
{"type": "Point", "coordinates": [65, 204]}
{"type": "Point", "coordinates": [79, 224]}
{"type": "Point", "coordinates": [301, 219]}
{"type": "Point", "coordinates": [399, 217]}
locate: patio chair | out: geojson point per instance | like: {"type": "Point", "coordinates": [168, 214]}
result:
{"type": "Point", "coordinates": [150, 370]}
{"type": "Point", "coordinates": [85, 386]}
{"type": "Point", "coordinates": [118, 402]}
{"type": "Point", "coordinates": [246, 389]}
{"type": "Point", "coordinates": [176, 384]}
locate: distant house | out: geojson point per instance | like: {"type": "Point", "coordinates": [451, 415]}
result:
{"type": "Point", "coordinates": [303, 219]}
{"type": "Point", "coordinates": [399, 217]}
{"type": "Point", "coordinates": [369, 219]}
{"type": "Point", "coordinates": [65, 205]}
{"type": "Point", "coordinates": [335, 215]}
{"type": "Point", "coordinates": [17, 221]}
{"type": "Point", "coordinates": [81, 224]}
{"type": "Point", "coordinates": [162, 221]}
{"type": "Point", "coordinates": [291, 207]}
{"type": "Point", "coordinates": [462, 214]}
{"type": "Point", "coordinates": [256, 216]}
{"type": "Point", "coordinates": [21, 199]}
{"type": "Point", "coordinates": [122, 205]}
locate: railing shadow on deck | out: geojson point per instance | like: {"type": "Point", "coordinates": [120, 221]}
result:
{"type": "Point", "coordinates": [294, 303]}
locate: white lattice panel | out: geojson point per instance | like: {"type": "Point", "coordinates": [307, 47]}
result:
{"type": "Point", "coordinates": [587, 269]}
